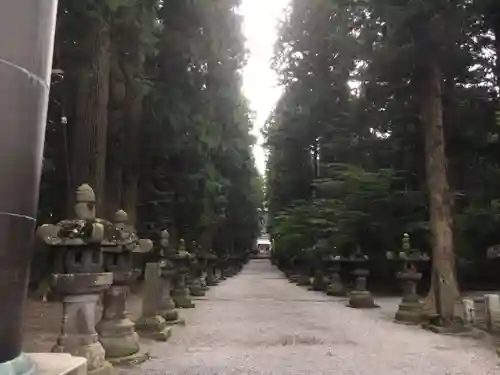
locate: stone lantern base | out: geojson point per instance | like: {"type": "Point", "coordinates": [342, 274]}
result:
{"type": "Point", "coordinates": [303, 280]}
{"type": "Point", "coordinates": [170, 314]}
{"type": "Point", "coordinates": [319, 282]}
{"type": "Point", "coordinates": [203, 281]}
{"type": "Point", "coordinates": [211, 280]}
{"type": "Point", "coordinates": [294, 277]}
{"type": "Point", "coordinates": [153, 327]}
{"type": "Point", "coordinates": [361, 299]}
{"type": "Point", "coordinates": [410, 312]}
{"type": "Point", "coordinates": [411, 309]}
{"type": "Point", "coordinates": [336, 289]}
{"type": "Point", "coordinates": [181, 298]}
{"type": "Point", "coordinates": [196, 288]}
{"type": "Point", "coordinates": [120, 341]}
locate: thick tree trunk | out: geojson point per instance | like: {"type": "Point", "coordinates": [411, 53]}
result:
{"type": "Point", "coordinates": [91, 121]}
{"type": "Point", "coordinates": [132, 172]}
{"type": "Point", "coordinates": [116, 118]}
{"type": "Point", "coordinates": [444, 289]}
{"type": "Point", "coordinates": [126, 107]}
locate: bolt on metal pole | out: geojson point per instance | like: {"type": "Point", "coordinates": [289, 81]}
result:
{"type": "Point", "coordinates": [27, 29]}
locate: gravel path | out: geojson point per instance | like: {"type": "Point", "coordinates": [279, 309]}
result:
{"type": "Point", "coordinates": [259, 323]}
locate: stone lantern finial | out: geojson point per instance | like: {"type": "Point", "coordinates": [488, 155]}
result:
{"type": "Point", "coordinates": [85, 194]}
{"type": "Point", "coordinates": [164, 238]}
{"type": "Point", "coordinates": [120, 216]}
{"type": "Point", "coordinates": [406, 242]}
{"type": "Point", "coordinates": [120, 219]}
{"type": "Point", "coordinates": [85, 203]}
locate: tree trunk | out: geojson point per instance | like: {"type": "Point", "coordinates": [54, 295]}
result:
{"type": "Point", "coordinates": [116, 118]}
{"type": "Point", "coordinates": [131, 173]}
{"type": "Point", "coordinates": [444, 288]}
{"type": "Point", "coordinates": [91, 120]}
{"type": "Point", "coordinates": [133, 68]}
{"type": "Point", "coordinates": [126, 99]}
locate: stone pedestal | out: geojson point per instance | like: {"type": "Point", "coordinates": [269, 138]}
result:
{"type": "Point", "coordinates": [180, 294]}
{"type": "Point", "coordinates": [360, 297]}
{"type": "Point", "coordinates": [150, 324]}
{"type": "Point", "coordinates": [222, 274]}
{"type": "Point", "coordinates": [195, 285]}
{"type": "Point", "coordinates": [319, 281]}
{"type": "Point", "coordinates": [116, 331]}
{"type": "Point", "coordinates": [56, 364]}
{"type": "Point", "coordinates": [211, 279]}
{"type": "Point", "coordinates": [203, 281]}
{"type": "Point", "coordinates": [336, 287]}
{"type": "Point", "coordinates": [303, 279]}
{"type": "Point", "coordinates": [167, 305]}
{"type": "Point", "coordinates": [294, 276]}
{"type": "Point", "coordinates": [492, 311]}
{"type": "Point", "coordinates": [196, 288]}
{"type": "Point", "coordinates": [78, 335]}
{"type": "Point", "coordinates": [469, 316]}
{"type": "Point", "coordinates": [410, 310]}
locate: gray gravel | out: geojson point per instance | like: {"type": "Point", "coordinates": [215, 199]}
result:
{"type": "Point", "coordinates": [259, 323]}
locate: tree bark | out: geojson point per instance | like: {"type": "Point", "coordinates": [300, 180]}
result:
{"type": "Point", "coordinates": [91, 120]}
{"type": "Point", "coordinates": [132, 172]}
{"type": "Point", "coordinates": [444, 287]}
{"type": "Point", "coordinates": [116, 118]}
{"type": "Point", "coordinates": [126, 109]}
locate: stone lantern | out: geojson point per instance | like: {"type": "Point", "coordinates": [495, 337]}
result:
{"type": "Point", "coordinates": [197, 268]}
{"type": "Point", "coordinates": [234, 264]}
{"type": "Point", "coordinates": [211, 262]}
{"type": "Point", "coordinates": [221, 267]}
{"type": "Point", "coordinates": [410, 310]}
{"type": "Point", "coordinates": [182, 261]}
{"type": "Point", "coordinates": [80, 278]}
{"type": "Point", "coordinates": [116, 331]}
{"type": "Point", "coordinates": [167, 305]}
{"type": "Point", "coordinates": [333, 264]}
{"type": "Point", "coordinates": [319, 265]}
{"type": "Point", "coordinates": [360, 297]}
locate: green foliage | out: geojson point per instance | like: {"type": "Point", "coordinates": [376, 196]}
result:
{"type": "Point", "coordinates": [196, 163]}
{"type": "Point", "coordinates": [200, 155]}
{"type": "Point", "coordinates": [347, 164]}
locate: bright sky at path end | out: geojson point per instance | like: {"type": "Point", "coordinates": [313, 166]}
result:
{"type": "Point", "coordinates": [260, 26]}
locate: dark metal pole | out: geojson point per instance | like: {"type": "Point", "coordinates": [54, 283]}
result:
{"type": "Point", "coordinates": [27, 30]}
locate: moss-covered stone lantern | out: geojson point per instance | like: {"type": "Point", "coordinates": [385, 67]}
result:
{"type": "Point", "coordinates": [360, 297]}
{"type": "Point", "coordinates": [410, 310]}
{"type": "Point", "coordinates": [182, 260]}
{"type": "Point", "coordinates": [168, 272]}
{"type": "Point", "coordinates": [116, 331]}
{"type": "Point", "coordinates": [80, 277]}
{"type": "Point", "coordinates": [197, 268]}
